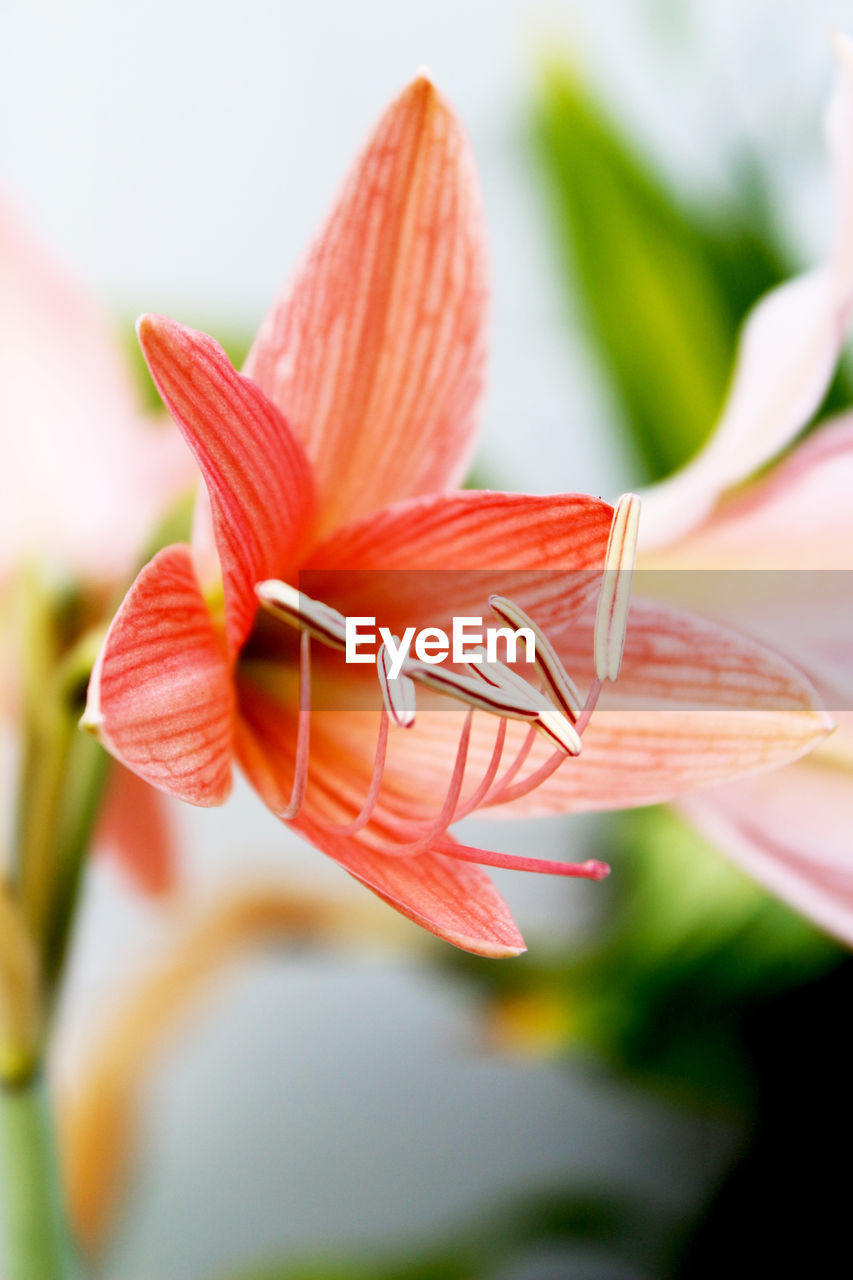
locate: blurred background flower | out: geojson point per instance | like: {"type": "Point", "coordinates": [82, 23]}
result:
{"type": "Point", "coordinates": [680, 1029]}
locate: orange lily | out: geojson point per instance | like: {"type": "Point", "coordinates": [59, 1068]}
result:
{"type": "Point", "coordinates": [335, 455]}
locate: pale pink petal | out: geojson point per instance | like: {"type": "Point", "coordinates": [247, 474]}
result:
{"type": "Point", "coordinates": [135, 827]}
{"type": "Point", "coordinates": [746, 565]}
{"type": "Point", "coordinates": [161, 697]}
{"type": "Point", "coordinates": [258, 478]}
{"type": "Point", "coordinates": [798, 516]}
{"type": "Point", "coordinates": [787, 354]}
{"type": "Point", "coordinates": [375, 350]}
{"type": "Point", "coordinates": [83, 476]}
{"type": "Point", "coordinates": [792, 832]}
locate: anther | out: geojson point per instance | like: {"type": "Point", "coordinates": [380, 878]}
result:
{"type": "Point", "coordinates": [483, 696]}
{"type": "Point", "coordinates": [548, 664]}
{"type": "Point", "coordinates": [611, 616]}
{"type": "Point", "coordinates": [549, 719]}
{"type": "Point", "coordinates": [319, 620]}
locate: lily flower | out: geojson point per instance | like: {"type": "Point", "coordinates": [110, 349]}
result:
{"type": "Point", "coordinates": [85, 475]}
{"type": "Point", "coordinates": [790, 831]}
{"type": "Point", "coordinates": [333, 459]}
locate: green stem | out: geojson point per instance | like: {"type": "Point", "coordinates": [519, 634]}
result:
{"type": "Point", "coordinates": [36, 1240]}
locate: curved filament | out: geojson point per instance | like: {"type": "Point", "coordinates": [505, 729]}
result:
{"type": "Point", "coordinates": [303, 735]}
{"type": "Point", "coordinates": [589, 870]}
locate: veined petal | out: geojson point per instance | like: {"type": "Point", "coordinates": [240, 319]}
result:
{"type": "Point", "coordinates": [135, 828]}
{"type": "Point", "coordinates": [83, 475]}
{"type": "Point", "coordinates": [160, 696]}
{"type": "Point", "coordinates": [421, 562]}
{"type": "Point", "coordinates": [695, 704]}
{"type": "Point", "coordinates": [258, 478]}
{"type": "Point", "coordinates": [792, 833]}
{"type": "Point", "coordinates": [454, 900]}
{"type": "Point", "coordinates": [787, 354]}
{"type": "Point", "coordinates": [375, 349]}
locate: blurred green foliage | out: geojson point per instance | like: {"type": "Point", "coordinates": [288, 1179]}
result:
{"type": "Point", "coordinates": [662, 288]}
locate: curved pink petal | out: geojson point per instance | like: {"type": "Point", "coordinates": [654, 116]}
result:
{"type": "Point", "coordinates": [455, 900]}
{"type": "Point", "coordinates": [787, 354]}
{"type": "Point", "coordinates": [161, 696]}
{"type": "Point", "coordinates": [375, 349]}
{"type": "Point", "coordinates": [798, 516]}
{"type": "Point", "coordinates": [793, 833]}
{"type": "Point", "coordinates": [83, 476]}
{"type": "Point", "coordinates": [747, 563]}
{"type": "Point", "coordinates": [258, 478]}
{"type": "Point", "coordinates": [135, 828]}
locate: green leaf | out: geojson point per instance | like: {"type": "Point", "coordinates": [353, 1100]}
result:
{"type": "Point", "coordinates": [663, 292]}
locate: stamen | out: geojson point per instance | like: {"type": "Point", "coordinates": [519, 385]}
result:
{"type": "Point", "coordinates": [366, 811]}
{"type": "Point", "coordinates": [319, 620]}
{"type": "Point", "coordinates": [505, 694]}
{"type": "Point", "coordinates": [503, 794]}
{"type": "Point", "coordinates": [590, 704]}
{"type": "Point", "coordinates": [303, 734]}
{"type": "Point", "coordinates": [425, 838]}
{"type": "Point", "coordinates": [398, 694]}
{"type": "Point", "coordinates": [523, 752]}
{"type": "Point", "coordinates": [611, 616]}
{"type": "Point", "coordinates": [548, 663]}
{"type": "Point", "coordinates": [474, 801]}
{"type": "Point", "coordinates": [592, 869]}
{"type": "Point", "coordinates": [497, 700]}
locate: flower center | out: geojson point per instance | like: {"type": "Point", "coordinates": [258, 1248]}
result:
{"type": "Point", "coordinates": [554, 709]}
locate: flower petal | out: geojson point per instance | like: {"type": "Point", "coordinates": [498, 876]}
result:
{"type": "Point", "coordinates": [135, 828]}
{"type": "Point", "coordinates": [258, 478]}
{"type": "Point", "coordinates": [422, 561]}
{"type": "Point", "coordinates": [798, 516]}
{"type": "Point", "coordinates": [787, 354]}
{"type": "Point", "coordinates": [695, 704]}
{"type": "Point", "coordinates": [83, 476]}
{"type": "Point", "coordinates": [792, 833]}
{"type": "Point", "coordinates": [160, 697]}
{"type": "Point", "coordinates": [375, 349]}
{"type": "Point", "coordinates": [455, 900]}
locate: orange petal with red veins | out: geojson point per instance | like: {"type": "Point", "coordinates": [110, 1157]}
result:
{"type": "Point", "coordinates": [454, 900]}
{"type": "Point", "coordinates": [422, 561]}
{"type": "Point", "coordinates": [160, 698]}
{"type": "Point", "coordinates": [257, 475]}
{"type": "Point", "coordinates": [375, 349]}
{"type": "Point", "coordinates": [135, 828]}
